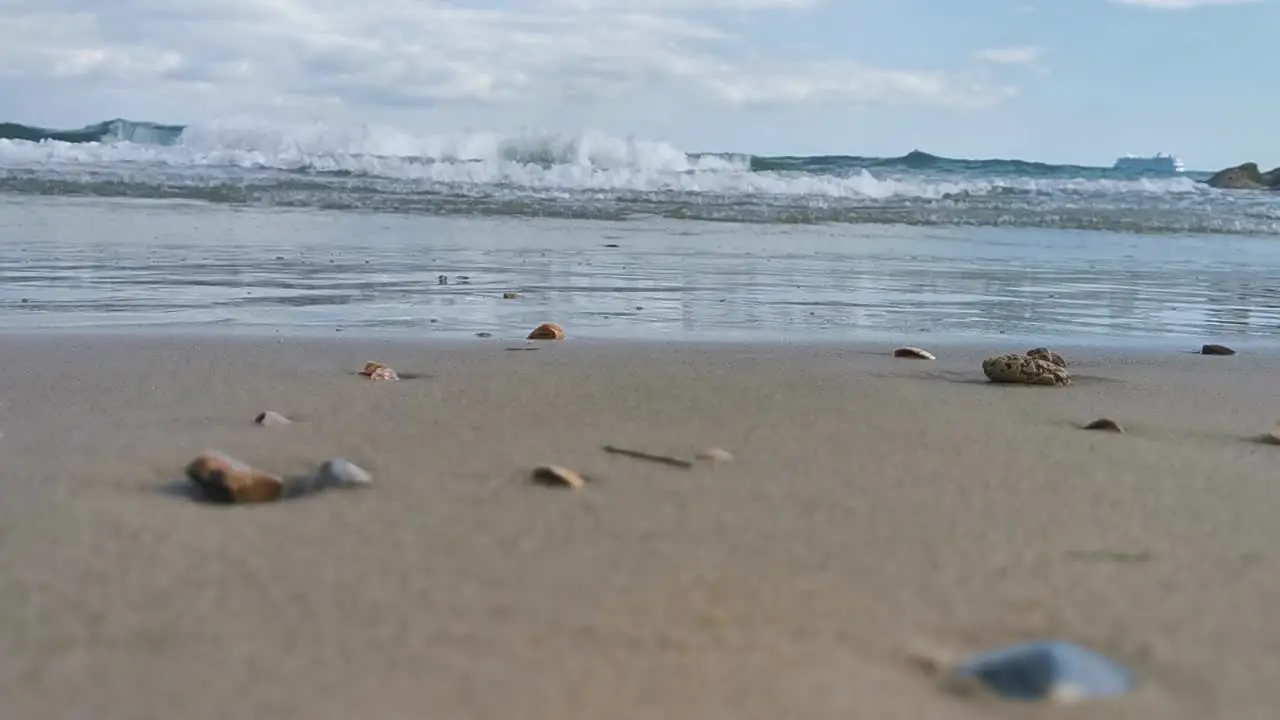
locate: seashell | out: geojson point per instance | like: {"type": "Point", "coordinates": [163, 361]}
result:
{"type": "Point", "coordinates": [1053, 670]}
{"type": "Point", "coordinates": [378, 371]}
{"type": "Point", "coordinates": [1216, 350]}
{"type": "Point", "coordinates": [337, 472]}
{"type": "Point", "coordinates": [270, 418]}
{"type": "Point", "coordinates": [1024, 370]}
{"type": "Point", "coordinates": [1047, 354]}
{"type": "Point", "coordinates": [914, 353]}
{"type": "Point", "coordinates": [224, 479]}
{"type": "Point", "coordinates": [547, 331]}
{"type": "Point", "coordinates": [557, 476]}
{"type": "Point", "coordinates": [1105, 424]}
{"type": "Point", "coordinates": [715, 455]}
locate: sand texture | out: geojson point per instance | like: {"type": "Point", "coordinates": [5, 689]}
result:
{"type": "Point", "coordinates": [873, 508]}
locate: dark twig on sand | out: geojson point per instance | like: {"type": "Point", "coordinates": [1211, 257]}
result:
{"type": "Point", "coordinates": [664, 459]}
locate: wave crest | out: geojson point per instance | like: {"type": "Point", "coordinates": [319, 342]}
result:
{"type": "Point", "coordinates": [592, 174]}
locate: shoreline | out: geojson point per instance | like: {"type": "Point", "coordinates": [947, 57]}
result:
{"type": "Point", "coordinates": [1104, 346]}
{"type": "Point", "coordinates": [874, 506]}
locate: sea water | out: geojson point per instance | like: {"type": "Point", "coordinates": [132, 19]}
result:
{"type": "Point", "coordinates": [245, 227]}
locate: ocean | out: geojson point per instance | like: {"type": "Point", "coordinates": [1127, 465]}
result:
{"type": "Point", "coordinates": [247, 227]}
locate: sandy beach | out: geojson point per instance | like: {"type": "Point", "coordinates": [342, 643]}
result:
{"type": "Point", "coordinates": [876, 508]}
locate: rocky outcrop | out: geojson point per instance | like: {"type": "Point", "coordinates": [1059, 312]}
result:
{"type": "Point", "coordinates": [1245, 177]}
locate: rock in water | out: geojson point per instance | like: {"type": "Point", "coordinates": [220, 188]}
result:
{"type": "Point", "coordinates": [1240, 177]}
{"type": "Point", "coordinates": [547, 331]}
{"type": "Point", "coordinates": [1245, 177]}
{"type": "Point", "coordinates": [914, 353]}
{"type": "Point", "coordinates": [222, 478]}
{"type": "Point", "coordinates": [1021, 369]}
{"type": "Point", "coordinates": [270, 418]}
{"type": "Point", "coordinates": [337, 472]}
{"type": "Point", "coordinates": [1047, 354]}
{"type": "Point", "coordinates": [1047, 670]}
{"type": "Point", "coordinates": [1216, 350]}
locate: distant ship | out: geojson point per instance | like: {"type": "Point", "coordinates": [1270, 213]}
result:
{"type": "Point", "coordinates": [1160, 162]}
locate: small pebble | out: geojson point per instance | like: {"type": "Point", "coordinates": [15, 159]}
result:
{"type": "Point", "coordinates": [715, 455]}
{"type": "Point", "coordinates": [547, 331]}
{"type": "Point", "coordinates": [1105, 424]}
{"type": "Point", "coordinates": [557, 476]}
{"type": "Point", "coordinates": [342, 473]}
{"type": "Point", "coordinates": [271, 418]}
{"type": "Point", "coordinates": [1216, 350]}
{"type": "Point", "coordinates": [914, 353]}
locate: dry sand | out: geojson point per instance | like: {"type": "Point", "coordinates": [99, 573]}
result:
{"type": "Point", "coordinates": [875, 507]}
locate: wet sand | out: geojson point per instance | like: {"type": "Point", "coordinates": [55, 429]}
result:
{"type": "Point", "coordinates": [875, 507]}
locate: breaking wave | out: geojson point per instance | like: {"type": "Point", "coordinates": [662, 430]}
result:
{"type": "Point", "coordinates": [594, 175]}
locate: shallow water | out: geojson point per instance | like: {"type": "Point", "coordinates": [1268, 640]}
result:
{"type": "Point", "coordinates": [115, 263]}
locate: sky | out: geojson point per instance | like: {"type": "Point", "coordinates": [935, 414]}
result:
{"type": "Point", "coordinates": [1051, 80]}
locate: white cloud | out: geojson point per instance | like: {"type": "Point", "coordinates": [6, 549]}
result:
{"type": "Point", "coordinates": [199, 56]}
{"type": "Point", "coordinates": [1013, 55]}
{"type": "Point", "coordinates": [1182, 4]}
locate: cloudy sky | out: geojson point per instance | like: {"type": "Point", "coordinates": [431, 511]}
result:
{"type": "Point", "coordinates": [1054, 80]}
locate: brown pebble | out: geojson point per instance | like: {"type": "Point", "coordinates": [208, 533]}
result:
{"type": "Point", "coordinates": [547, 331]}
{"type": "Point", "coordinates": [914, 353]}
{"type": "Point", "coordinates": [715, 455]}
{"type": "Point", "coordinates": [378, 371]}
{"type": "Point", "coordinates": [1105, 424]}
{"type": "Point", "coordinates": [557, 476]}
{"type": "Point", "coordinates": [510, 295]}
{"type": "Point", "coordinates": [1216, 350]}
{"type": "Point", "coordinates": [226, 480]}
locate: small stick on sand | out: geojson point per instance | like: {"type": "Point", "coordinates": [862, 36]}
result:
{"type": "Point", "coordinates": [664, 459]}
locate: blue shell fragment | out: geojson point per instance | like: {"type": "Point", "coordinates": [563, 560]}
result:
{"type": "Point", "coordinates": [1047, 669]}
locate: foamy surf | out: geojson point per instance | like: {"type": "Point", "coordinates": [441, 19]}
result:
{"type": "Point", "coordinates": [595, 175]}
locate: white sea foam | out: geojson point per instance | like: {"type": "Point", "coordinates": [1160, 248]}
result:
{"type": "Point", "coordinates": [537, 160]}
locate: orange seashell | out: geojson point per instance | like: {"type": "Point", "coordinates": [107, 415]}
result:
{"type": "Point", "coordinates": [378, 371]}
{"type": "Point", "coordinates": [547, 331]}
{"type": "Point", "coordinates": [226, 480]}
